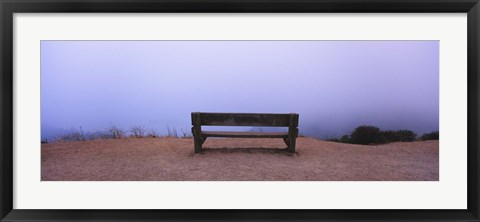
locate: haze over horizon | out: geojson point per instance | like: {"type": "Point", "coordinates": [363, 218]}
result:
{"type": "Point", "coordinates": [335, 86]}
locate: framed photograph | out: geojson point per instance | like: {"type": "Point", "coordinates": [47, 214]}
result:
{"type": "Point", "coordinates": [239, 110]}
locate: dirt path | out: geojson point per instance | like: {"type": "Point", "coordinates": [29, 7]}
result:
{"type": "Point", "coordinates": [172, 159]}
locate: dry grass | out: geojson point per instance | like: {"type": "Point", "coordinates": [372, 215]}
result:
{"type": "Point", "coordinates": [172, 159]}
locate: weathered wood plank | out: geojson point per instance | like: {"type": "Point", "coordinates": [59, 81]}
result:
{"type": "Point", "coordinates": [244, 119]}
{"type": "Point", "coordinates": [245, 134]}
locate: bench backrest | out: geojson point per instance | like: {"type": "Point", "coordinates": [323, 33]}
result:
{"type": "Point", "coordinates": [245, 119]}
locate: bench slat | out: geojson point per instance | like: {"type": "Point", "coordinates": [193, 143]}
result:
{"type": "Point", "coordinates": [245, 134]}
{"type": "Point", "coordinates": [244, 119]}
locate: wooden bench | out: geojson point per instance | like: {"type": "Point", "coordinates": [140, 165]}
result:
{"type": "Point", "coordinates": [244, 119]}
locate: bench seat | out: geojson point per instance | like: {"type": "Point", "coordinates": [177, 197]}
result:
{"type": "Point", "coordinates": [245, 134]}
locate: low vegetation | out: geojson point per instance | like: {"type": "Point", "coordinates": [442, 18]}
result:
{"type": "Point", "coordinates": [430, 136]}
{"type": "Point", "coordinates": [115, 132]}
{"type": "Point", "coordinates": [364, 134]}
{"type": "Point", "coordinates": [137, 131]}
{"type": "Point", "coordinates": [73, 135]}
{"type": "Point", "coordinates": [367, 135]}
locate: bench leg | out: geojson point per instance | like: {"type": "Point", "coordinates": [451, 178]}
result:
{"type": "Point", "coordinates": [197, 132]}
{"type": "Point", "coordinates": [198, 144]}
{"type": "Point", "coordinates": [197, 139]}
{"type": "Point", "coordinates": [291, 145]}
{"type": "Point", "coordinates": [292, 139]}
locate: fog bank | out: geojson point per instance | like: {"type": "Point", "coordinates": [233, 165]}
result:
{"type": "Point", "coordinates": [333, 85]}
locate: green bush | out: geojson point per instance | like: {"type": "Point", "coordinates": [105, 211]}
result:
{"type": "Point", "coordinates": [399, 136]}
{"type": "Point", "coordinates": [345, 139]}
{"type": "Point", "coordinates": [405, 135]}
{"type": "Point", "coordinates": [367, 135]}
{"type": "Point", "coordinates": [391, 136]}
{"type": "Point", "coordinates": [333, 140]}
{"type": "Point", "coordinates": [430, 136]}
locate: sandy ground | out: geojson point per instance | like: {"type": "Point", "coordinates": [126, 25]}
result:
{"type": "Point", "coordinates": [172, 159]}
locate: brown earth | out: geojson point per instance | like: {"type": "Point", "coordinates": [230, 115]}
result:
{"type": "Point", "coordinates": [172, 159]}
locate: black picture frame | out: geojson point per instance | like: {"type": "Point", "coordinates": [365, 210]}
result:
{"type": "Point", "coordinates": [9, 7]}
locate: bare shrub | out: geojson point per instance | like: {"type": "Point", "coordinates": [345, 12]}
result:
{"type": "Point", "coordinates": [185, 133]}
{"type": "Point", "coordinates": [137, 131]}
{"type": "Point", "coordinates": [100, 135]}
{"type": "Point", "coordinates": [73, 135]}
{"type": "Point", "coordinates": [152, 133]}
{"type": "Point", "coordinates": [171, 132]}
{"type": "Point", "coordinates": [115, 133]}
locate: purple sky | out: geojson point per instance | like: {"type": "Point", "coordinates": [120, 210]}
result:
{"type": "Point", "coordinates": [333, 85]}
